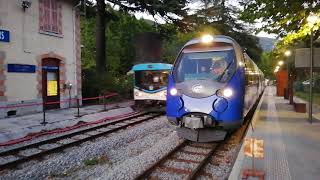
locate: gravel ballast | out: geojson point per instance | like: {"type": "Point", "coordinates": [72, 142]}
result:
{"type": "Point", "coordinates": [120, 155]}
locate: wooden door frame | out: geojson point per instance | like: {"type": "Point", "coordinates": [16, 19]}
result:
{"type": "Point", "coordinates": [45, 65]}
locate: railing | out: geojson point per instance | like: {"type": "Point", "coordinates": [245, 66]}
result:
{"type": "Point", "coordinates": [77, 100]}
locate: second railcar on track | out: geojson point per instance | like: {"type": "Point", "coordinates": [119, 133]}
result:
{"type": "Point", "coordinates": [211, 88]}
{"type": "Point", "coordinates": [150, 82]}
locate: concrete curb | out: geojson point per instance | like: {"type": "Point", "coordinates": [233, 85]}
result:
{"type": "Point", "coordinates": [236, 169]}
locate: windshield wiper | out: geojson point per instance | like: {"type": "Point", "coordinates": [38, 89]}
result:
{"type": "Point", "coordinates": [220, 77]}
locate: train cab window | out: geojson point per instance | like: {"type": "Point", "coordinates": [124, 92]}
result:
{"type": "Point", "coordinates": [208, 65]}
{"type": "Point", "coordinates": [151, 80]}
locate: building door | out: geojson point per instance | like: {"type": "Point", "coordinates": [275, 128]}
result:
{"type": "Point", "coordinates": [50, 83]}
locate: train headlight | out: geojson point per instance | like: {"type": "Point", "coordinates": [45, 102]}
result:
{"type": "Point", "coordinates": [227, 92]}
{"type": "Point", "coordinates": [207, 38]}
{"type": "Point", "coordinates": [173, 92]}
{"type": "Point", "coordinates": [138, 94]}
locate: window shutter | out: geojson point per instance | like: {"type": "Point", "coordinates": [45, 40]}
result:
{"type": "Point", "coordinates": [47, 14]}
{"type": "Point", "coordinates": [59, 18]}
{"type": "Point", "coordinates": [54, 16]}
{"type": "Point", "coordinates": [41, 15]}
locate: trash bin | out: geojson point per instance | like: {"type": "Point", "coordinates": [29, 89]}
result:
{"type": "Point", "coordinates": [285, 93]}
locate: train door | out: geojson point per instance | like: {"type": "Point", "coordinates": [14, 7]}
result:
{"type": "Point", "coordinates": [50, 83]}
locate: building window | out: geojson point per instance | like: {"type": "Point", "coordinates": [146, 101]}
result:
{"type": "Point", "coordinates": [50, 16]}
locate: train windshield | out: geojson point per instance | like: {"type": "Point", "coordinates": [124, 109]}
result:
{"type": "Point", "coordinates": [151, 80]}
{"type": "Point", "coordinates": [209, 65]}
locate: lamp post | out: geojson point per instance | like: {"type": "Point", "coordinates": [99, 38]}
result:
{"type": "Point", "coordinates": [287, 53]}
{"type": "Point", "coordinates": [312, 19]}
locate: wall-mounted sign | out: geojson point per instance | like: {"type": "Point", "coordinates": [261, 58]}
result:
{"type": "Point", "coordinates": [302, 57]}
{"type": "Point", "coordinates": [4, 36]}
{"type": "Point", "coordinates": [21, 68]}
{"type": "Point", "coordinates": [50, 68]}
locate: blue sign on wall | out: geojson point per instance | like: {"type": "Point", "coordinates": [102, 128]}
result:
{"type": "Point", "coordinates": [4, 36]}
{"type": "Point", "coordinates": [21, 68]}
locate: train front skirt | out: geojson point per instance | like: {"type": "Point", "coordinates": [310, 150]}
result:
{"type": "Point", "coordinates": [202, 134]}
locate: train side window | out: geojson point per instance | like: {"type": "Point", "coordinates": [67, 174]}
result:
{"type": "Point", "coordinates": [248, 69]}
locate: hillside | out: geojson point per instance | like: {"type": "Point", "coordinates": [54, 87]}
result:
{"type": "Point", "coordinates": [267, 44]}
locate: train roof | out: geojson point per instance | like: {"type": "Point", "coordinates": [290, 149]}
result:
{"type": "Point", "coordinates": [220, 38]}
{"type": "Point", "coordinates": [151, 66]}
{"type": "Point", "coordinates": [216, 38]}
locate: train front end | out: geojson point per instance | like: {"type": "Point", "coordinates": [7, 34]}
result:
{"type": "Point", "coordinates": [206, 89]}
{"type": "Point", "coordinates": [150, 82]}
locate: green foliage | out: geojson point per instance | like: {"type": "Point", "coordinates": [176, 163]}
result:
{"type": "Point", "coordinates": [96, 161]}
{"type": "Point", "coordinates": [96, 84]}
{"type": "Point", "coordinates": [267, 64]}
{"type": "Point", "coordinates": [286, 18]}
{"type": "Point", "coordinates": [168, 9]}
{"type": "Point", "coordinates": [279, 16]}
{"type": "Point", "coordinates": [120, 33]}
{"type": "Point", "coordinates": [122, 28]}
{"type": "Point", "coordinates": [221, 18]}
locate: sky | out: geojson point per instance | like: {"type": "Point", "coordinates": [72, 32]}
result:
{"type": "Point", "coordinates": [197, 5]}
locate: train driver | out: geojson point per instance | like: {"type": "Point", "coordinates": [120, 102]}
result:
{"type": "Point", "coordinates": [219, 65]}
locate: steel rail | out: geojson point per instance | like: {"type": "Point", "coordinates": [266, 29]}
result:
{"type": "Point", "coordinates": [22, 159]}
{"type": "Point", "coordinates": [192, 174]}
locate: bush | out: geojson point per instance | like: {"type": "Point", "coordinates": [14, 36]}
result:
{"type": "Point", "coordinates": [95, 84]}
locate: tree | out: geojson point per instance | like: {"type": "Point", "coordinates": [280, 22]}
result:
{"type": "Point", "coordinates": [100, 36]}
{"type": "Point", "coordinates": [282, 17]}
{"type": "Point", "coordinates": [220, 17]}
{"type": "Point", "coordinates": [168, 9]}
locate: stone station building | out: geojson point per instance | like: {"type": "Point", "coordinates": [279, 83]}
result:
{"type": "Point", "coordinates": [39, 54]}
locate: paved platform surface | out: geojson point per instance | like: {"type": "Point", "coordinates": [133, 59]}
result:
{"type": "Point", "coordinates": [291, 143]}
{"type": "Point", "coordinates": [20, 126]}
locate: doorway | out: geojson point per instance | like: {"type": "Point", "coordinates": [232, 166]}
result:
{"type": "Point", "coordinates": [50, 83]}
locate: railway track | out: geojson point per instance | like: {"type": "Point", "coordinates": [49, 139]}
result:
{"type": "Point", "coordinates": [11, 158]}
{"type": "Point", "coordinates": [190, 159]}
{"type": "Point", "coordinates": [184, 162]}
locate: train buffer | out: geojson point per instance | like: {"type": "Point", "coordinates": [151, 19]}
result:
{"type": "Point", "coordinates": [286, 145]}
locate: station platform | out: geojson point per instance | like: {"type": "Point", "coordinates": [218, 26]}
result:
{"type": "Point", "coordinates": [291, 145]}
{"type": "Point", "coordinates": [20, 126]}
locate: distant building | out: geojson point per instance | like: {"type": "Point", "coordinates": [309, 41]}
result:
{"type": "Point", "coordinates": [39, 54]}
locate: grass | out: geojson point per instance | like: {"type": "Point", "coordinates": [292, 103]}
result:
{"type": "Point", "coordinates": [305, 96]}
{"type": "Point", "coordinates": [96, 161]}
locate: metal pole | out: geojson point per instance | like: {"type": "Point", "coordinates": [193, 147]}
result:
{"type": "Point", "coordinates": [104, 103]}
{"type": "Point", "coordinates": [290, 79]}
{"type": "Point", "coordinates": [78, 107]}
{"type": "Point", "coordinates": [69, 97]}
{"type": "Point", "coordinates": [44, 114]}
{"type": "Point", "coordinates": [311, 76]}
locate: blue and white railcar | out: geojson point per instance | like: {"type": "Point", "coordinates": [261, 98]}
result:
{"type": "Point", "coordinates": [150, 81]}
{"type": "Point", "coordinates": [212, 86]}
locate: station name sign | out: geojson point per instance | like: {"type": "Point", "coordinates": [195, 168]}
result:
{"type": "Point", "coordinates": [21, 68]}
{"type": "Point", "coordinates": [4, 36]}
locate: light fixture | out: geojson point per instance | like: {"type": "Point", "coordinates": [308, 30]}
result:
{"type": "Point", "coordinates": [227, 92]}
{"type": "Point", "coordinates": [25, 4]}
{"type": "Point", "coordinates": [312, 19]}
{"type": "Point", "coordinates": [241, 64]}
{"type": "Point", "coordinates": [207, 38]}
{"type": "Point", "coordinates": [137, 93]}
{"type": "Point", "coordinates": [287, 53]}
{"type": "Point", "coordinates": [173, 91]}
{"type": "Point", "coordinates": [280, 63]}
